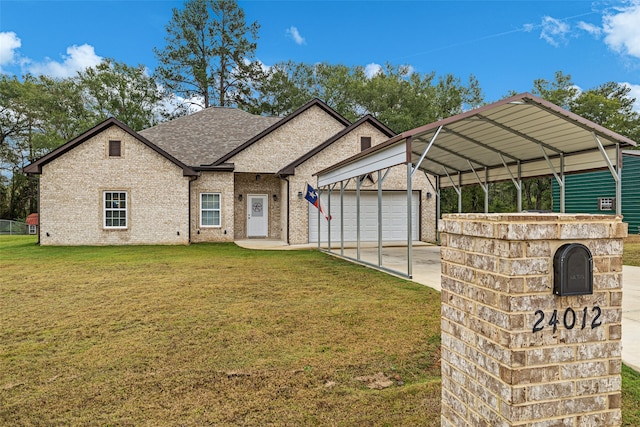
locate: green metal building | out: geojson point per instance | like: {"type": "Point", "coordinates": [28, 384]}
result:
{"type": "Point", "coordinates": [595, 192]}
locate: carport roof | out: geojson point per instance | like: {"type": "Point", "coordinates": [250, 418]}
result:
{"type": "Point", "coordinates": [518, 136]}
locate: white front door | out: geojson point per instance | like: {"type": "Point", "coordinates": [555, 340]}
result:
{"type": "Point", "coordinates": [257, 215]}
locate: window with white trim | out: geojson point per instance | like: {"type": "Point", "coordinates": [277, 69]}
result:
{"type": "Point", "coordinates": [210, 210]}
{"type": "Point", "coordinates": [115, 209]}
{"type": "Point", "coordinates": [606, 203]}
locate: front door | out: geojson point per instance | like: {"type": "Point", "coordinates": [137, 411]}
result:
{"type": "Point", "coordinates": [257, 215]}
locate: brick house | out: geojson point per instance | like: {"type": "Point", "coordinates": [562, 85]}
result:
{"type": "Point", "coordinates": [217, 175]}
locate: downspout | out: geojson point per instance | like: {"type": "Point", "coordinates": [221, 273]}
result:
{"type": "Point", "coordinates": [288, 209]}
{"type": "Point", "coordinates": [189, 216]}
{"type": "Point", "coordinates": [39, 215]}
{"type": "Point", "coordinates": [288, 206]}
{"type": "Point", "coordinates": [191, 179]}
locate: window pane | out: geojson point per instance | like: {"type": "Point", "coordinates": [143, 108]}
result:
{"type": "Point", "coordinates": [216, 217]}
{"type": "Point", "coordinates": [207, 201]}
{"type": "Point", "coordinates": [216, 201]}
{"type": "Point", "coordinates": [207, 218]}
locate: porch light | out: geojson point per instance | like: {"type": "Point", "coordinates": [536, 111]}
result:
{"type": "Point", "coordinates": [275, 197]}
{"type": "Point", "coordinates": [299, 194]}
{"type": "Point", "coordinates": [240, 197]}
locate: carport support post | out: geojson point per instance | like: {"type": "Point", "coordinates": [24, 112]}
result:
{"type": "Point", "coordinates": [379, 218]}
{"type": "Point", "coordinates": [319, 219]}
{"type": "Point", "coordinates": [358, 184]}
{"type": "Point", "coordinates": [329, 217]}
{"type": "Point", "coordinates": [409, 228]}
{"type": "Point", "coordinates": [460, 192]}
{"type": "Point", "coordinates": [342, 218]}
{"type": "Point", "coordinates": [513, 352]}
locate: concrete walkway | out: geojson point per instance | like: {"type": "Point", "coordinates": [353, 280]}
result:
{"type": "Point", "coordinates": [631, 316]}
{"type": "Point", "coordinates": [426, 271]}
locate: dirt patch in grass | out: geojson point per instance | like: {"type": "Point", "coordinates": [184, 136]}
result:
{"type": "Point", "coordinates": [211, 335]}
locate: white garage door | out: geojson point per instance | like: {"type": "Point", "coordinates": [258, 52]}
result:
{"type": "Point", "coordinates": [394, 216]}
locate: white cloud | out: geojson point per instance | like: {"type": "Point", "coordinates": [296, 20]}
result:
{"type": "Point", "coordinates": [554, 31]}
{"type": "Point", "coordinates": [622, 30]}
{"type": "Point", "coordinates": [370, 70]}
{"type": "Point", "coordinates": [9, 42]}
{"type": "Point", "coordinates": [295, 35]}
{"type": "Point", "coordinates": [594, 30]}
{"type": "Point", "coordinates": [77, 59]}
{"type": "Point", "coordinates": [634, 93]}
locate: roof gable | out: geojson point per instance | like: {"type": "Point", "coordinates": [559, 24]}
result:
{"type": "Point", "coordinates": [36, 166]}
{"type": "Point", "coordinates": [290, 168]}
{"type": "Point", "coordinates": [315, 102]}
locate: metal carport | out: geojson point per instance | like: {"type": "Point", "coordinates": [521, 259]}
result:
{"type": "Point", "coordinates": [519, 137]}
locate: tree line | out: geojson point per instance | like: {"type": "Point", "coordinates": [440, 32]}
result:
{"type": "Point", "coordinates": [209, 60]}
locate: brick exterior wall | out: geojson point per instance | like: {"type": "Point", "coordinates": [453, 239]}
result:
{"type": "Point", "coordinates": [513, 353]}
{"type": "Point", "coordinates": [213, 182]}
{"type": "Point", "coordinates": [72, 186]}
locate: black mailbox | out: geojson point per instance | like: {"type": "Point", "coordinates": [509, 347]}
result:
{"type": "Point", "coordinates": [573, 270]}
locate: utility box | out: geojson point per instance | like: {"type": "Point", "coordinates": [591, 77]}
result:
{"type": "Point", "coordinates": [573, 270]}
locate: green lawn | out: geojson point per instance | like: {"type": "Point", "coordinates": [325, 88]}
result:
{"type": "Point", "coordinates": [631, 254]}
{"type": "Point", "coordinates": [216, 335]}
{"type": "Point", "coordinates": [211, 335]}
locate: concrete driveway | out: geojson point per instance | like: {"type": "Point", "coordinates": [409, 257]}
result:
{"type": "Point", "coordinates": [426, 271]}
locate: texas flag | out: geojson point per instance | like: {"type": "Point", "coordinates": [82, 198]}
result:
{"type": "Point", "coordinates": [312, 197]}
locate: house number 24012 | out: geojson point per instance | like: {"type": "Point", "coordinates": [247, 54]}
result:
{"type": "Point", "coordinates": [570, 319]}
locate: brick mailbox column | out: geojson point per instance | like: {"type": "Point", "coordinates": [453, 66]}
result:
{"type": "Point", "coordinates": [513, 352]}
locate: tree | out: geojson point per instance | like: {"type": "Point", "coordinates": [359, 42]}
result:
{"type": "Point", "coordinates": [287, 86]}
{"type": "Point", "coordinates": [396, 95]}
{"type": "Point", "coordinates": [38, 114]}
{"type": "Point", "coordinates": [609, 105]}
{"type": "Point", "coordinates": [114, 89]}
{"type": "Point", "coordinates": [404, 99]}
{"type": "Point", "coordinates": [209, 53]}
{"type": "Point", "coordinates": [561, 91]}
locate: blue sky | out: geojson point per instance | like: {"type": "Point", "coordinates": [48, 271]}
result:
{"type": "Point", "coordinates": [505, 44]}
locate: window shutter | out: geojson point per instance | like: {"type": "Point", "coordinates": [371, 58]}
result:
{"type": "Point", "coordinates": [114, 149]}
{"type": "Point", "coordinates": [365, 142]}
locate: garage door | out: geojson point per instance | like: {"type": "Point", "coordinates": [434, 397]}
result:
{"type": "Point", "coordinates": [394, 216]}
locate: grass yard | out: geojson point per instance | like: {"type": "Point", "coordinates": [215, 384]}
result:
{"type": "Point", "coordinates": [211, 335]}
{"type": "Point", "coordinates": [631, 255]}
{"type": "Point", "coordinates": [218, 335]}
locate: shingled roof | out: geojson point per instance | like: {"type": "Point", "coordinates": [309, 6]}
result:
{"type": "Point", "coordinates": [203, 137]}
